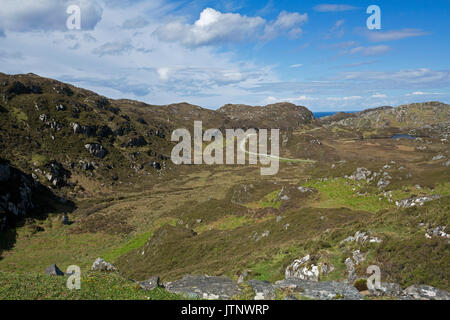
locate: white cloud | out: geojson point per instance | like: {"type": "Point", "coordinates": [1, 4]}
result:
{"type": "Point", "coordinates": [379, 96]}
{"type": "Point", "coordinates": [337, 31]}
{"type": "Point", "coordinates": [286, 21]}
{"type": "Point", "coordinates": [296, 65]}
{"type": "Point", "coordinates": [406, 78]}
{"type": "Point", "coordinates": [45, 15]}
{"type": "Point", "coordinates": [333, 7]}
{"type": "Point", "coordinates": [114, 48]}
{"type": "Point", "coordinates": [344, 98]}
{"type": "Point", "coordinates": [381, 36]}
{"type": "Point", "coordinates": [136, 23]}
{"type": "Point", "coordinates": [212, 27]}
{"type": "Point", "coordinates": [369, 51]}
{"type": "Point", "coordinates": [216, 27]}
{"type": "Point", "coordinates": [163, 73]}
{"type": "Point", "coordinates": [421, 93]}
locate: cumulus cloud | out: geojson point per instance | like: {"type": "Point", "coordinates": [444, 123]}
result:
{"type": "Point", "coordinates": [286, 22]}
{"type": "Point", "coordinates": [381, 36]}
{"type": "Point", "coordinates": [216, 27]}
{"type": "Point", "coordinates": [333, 7]}
{"type": "Point", "coordinates": [212, 27]}
{"type": "Point", "coordinates": [46, 15]}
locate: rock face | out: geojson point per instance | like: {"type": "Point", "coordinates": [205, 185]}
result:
{"type": "Point", "coordinates": [204, 287]}
{"type": "Point", "coordinates": [321, 290]}
{"type": "Point", "coordinates": [361, 237]}
{"type": "Point", "coordinates": [150, 283]}
{"type": "Point", "coordinates": [101, 265]}
{"type": "Point", "coordinates": [263, 290]}
{"type": "Point", "coordinates": [56, 174]}
{"type": "Point", "coordinates": [423, 292]}
{"type": "Point", "coordinates": [303, 269]}
{"type": "Point", "coordinates": [388, 289]}
{"type": "Point", "coordinates": [53, 270]}
{"type": "Point", "coordinates": [96, 150]}
{"type": "Point", "coordinates": [16, 191]}
{"type": "Point", "coordinates": [137, 142]}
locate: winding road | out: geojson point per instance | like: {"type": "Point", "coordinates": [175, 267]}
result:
{"type": "Point", "coordinates": [242, 147]}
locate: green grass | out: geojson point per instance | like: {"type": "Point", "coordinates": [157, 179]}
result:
{"type": "Point", "coordinates": [39, 159]}
{"type": "Point", "coordinates": [342, 192]}
{"type": "Point", "coordinates": [94, 286]}
{"type": "Point", "coordinates": [20, 115]}
{"type": "Point", "coordinates": [271, 200]}
{"type": "Point", "coordinates": [135, 243]}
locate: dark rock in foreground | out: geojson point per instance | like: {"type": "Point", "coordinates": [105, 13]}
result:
{"type": "Point", "coordinates": [150, 283]}
{"type": "Point", "coordinates": [263, 290]}
{"type": "Point", "coordinates": [321, 290]}
{"type": "Point", "coordinates": [204, 287]}
{"type": "Point", "coordinates": [53, 270]}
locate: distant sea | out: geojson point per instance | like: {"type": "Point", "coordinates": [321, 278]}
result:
{"type": "Point", "coordinates": [329, 113]}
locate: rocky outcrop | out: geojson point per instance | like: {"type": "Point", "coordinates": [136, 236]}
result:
{"type": "Point", "coordinates": [204, 287]}
{"type": "Point", "coordinates": [96, 149]}
{"type": "Point", "coordinates": [263, 290]}
{"type": "Point", "coordinates": [416, 201]}
{"type": "Point", "coordinates": [150, 283]}
{"type": "Point", "coordinates": [388, 290]}
{"type": "Point", "coordinates": [278, 115]}
{"type": "Point", "coordinates": [423, 292]}
{"type": "Point", "coordinates": [325, 290]}
{"type": "Point", "coordinates": [53, 270]}
{"type": "Point", "coordinates": [16, 191]}
{"type": "Point", "coordinates": [137, 142]}
{"type": "Point", "coordinates": [56, 174]}
{"type": "Point", "coordinates": [361, 237]}
{"type": "Point", "coordinates": [101, 265]}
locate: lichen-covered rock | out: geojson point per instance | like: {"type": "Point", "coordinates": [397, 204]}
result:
{"type": "Point", "coordinates": [150, 283]}
{"type": "Point", "coordinates": [303, 269]}
{"type": "Point", "coordinates": [101, 265]}
{"type": "Point", "coordinates": [416, 201]}
{"type": "Point", "coordinates": [263, 290]}
{"type": "Point", "coordinates": [325, 290]}
{"type": "Point", "coordinates": [424, 292]}
{"type": "Point", "coordinates": [388, 289]}
{"type": "Point", "coordinates": [204, 287]}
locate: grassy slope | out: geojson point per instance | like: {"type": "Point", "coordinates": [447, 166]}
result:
{"type": "Point", "coordinates": [94, 286]}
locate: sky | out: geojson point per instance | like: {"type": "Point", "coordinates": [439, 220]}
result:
{"type": "Point", "coordinates": [318, 54]}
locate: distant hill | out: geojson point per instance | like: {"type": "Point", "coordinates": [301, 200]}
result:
{"type": "Point", "coordinates": [278, 115]}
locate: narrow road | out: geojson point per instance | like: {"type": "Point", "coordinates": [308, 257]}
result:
{"type": "Point", "coordinates": [242, 147]}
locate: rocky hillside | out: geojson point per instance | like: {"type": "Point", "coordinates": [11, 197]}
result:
{"type": "Point", "coordinates": [416, 115]}
{"type": "Point", "coordinates": [279, 115]}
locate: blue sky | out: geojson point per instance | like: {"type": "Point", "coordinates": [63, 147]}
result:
{"type": "Point", "coordinates": [314, 53]}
